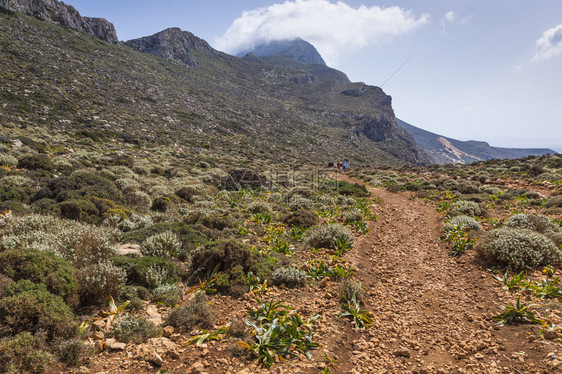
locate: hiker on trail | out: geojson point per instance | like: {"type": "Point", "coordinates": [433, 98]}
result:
{"type": "Point", "coordinates": [330, 164]}
{"type": "Point", "coordinates": [345, 165]}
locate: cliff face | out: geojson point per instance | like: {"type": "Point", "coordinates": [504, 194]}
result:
{"type": "Point", "coordinates": [172, 44]}
{"type": "Point", "coordinates": [383, 127]}
{"type": "Point", "coordinates": [59, 12]}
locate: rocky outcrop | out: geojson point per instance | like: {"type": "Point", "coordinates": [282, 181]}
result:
{"type": "Point", "coordinates": [59, 12]}
{"type": "Point", "coordinates": [296, 49]}
{"type": "Point", "coordinates": [172, 44]}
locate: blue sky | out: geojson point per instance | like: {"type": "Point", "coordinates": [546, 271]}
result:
{"type": "Point", "coordinates": [483, 70]}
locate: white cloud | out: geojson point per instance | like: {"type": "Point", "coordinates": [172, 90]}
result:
{"type": "Point", "coordinates": [450, 17]}
{"type": "Point", "coordinates": [332, 27]}
{"type": "Point", "coordinates": [549, 44]}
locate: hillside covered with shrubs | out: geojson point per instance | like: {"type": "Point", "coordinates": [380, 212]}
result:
{"type": "Point", "coordinates": [155, 218]}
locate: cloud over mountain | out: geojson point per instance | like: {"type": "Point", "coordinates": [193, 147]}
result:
{"type": "Point", "coordinates": [549, 45]}
{"type": "Point", "coordinates": [332, 27]}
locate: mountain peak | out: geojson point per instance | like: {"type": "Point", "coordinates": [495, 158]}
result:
{"type": "Point", "coordinates": [297, 49]}
{"type": "Point", "coordinates": [172, 44]}
{"type": "Point", "coordinates": [67, 15]}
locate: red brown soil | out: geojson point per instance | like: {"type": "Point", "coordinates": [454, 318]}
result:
{"type": "Point", "coordinates": [431, 312]}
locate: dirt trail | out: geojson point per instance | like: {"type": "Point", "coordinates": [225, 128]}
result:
{"type": "Point", "coordinates": [431, 309]}
{"type": "Point", "coordinates": [431, 313]}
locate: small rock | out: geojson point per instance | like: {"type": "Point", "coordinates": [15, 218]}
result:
{"type": "Point", "coordinates": [156, 359]}
{"type": "Point", "coordinates": [99, 325]}
{"type": "Point", "coordinates": [168, 331]}
{"type": "Point", "coordinates": [402, 352]}
{"type": "Point", "coordinates": [479, 356]}
{"type": "Point", "coordinates": [107, 343]}
{"type": "Point", "coordinates": [550, 335]}
{"type": "Point", "coordinates": [83, 370]}
{"type": "Point", "coordinates": [118, 346]}
{"type": "Point", "coordinates": [222, 361]}
{"type": "Point", "coordinates": [128, 249]}
{"type": "Point", "coordinates": [197, 367]}
{"type": "Point", "coordinates": [153, 315]}
{"type": "Point", "coordinates": [174, 355]}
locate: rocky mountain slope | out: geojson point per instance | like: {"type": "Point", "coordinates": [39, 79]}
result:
{"type": "Point", "coordinates": [59, 12]}
{"type": "Point", "coordinates": [173, 44]}
{"type": "Point", "coordinates": [247, 107]}
{"type": "Point", "coordinates": [444, 150]}
{"type": "Point", "coordinates": [296, 49]}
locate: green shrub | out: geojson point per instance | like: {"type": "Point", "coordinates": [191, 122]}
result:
{"type": "Point", "coordinates": [352, 215]}
{"type": "Point", "coordinates": [234, 282]}
{"type": "Point", "coordinates": [42, 267]}
{"type": "Point", "coordinates": [517, 249]}
{"type": "Point", "coordinates": [288, 276]}
{"type": "Point", "coordinates": [324, 236]}
{"type": "Point", "coordinates": [467, 208]}
{"type": "Point", "coordinates": [167, 294]}
{"type": "Point", "coordinates": [222, 256]}
{"type": "Point", "coordinates": [539, 223]}
{"type": "Point", "coordinates": [156, 276]}
{"type": "Point", "coordinates": [5, 282]}
{"type": "Point", "coordinates": [18, 354]}
{"type": "Point", "coordinates": [259, 207]}
{"type": "Point", "coordinates": [7, 160]}
{"type": "Point", "coordinates": [30, 307]}
{"type": "Point", "coordinates": [164, 245]}
{"type": "Point", "coordinates": [217, 221]}
{"type": "Point", "coordinates": [99, 281]}
{"type": "Point", "coordinates": [554, 202]}
{"type": "Point", "coordinates": [187, 193]}
{"type": "Point", "coordinates": [77, 209]}
{"type": "Point", "coordinates": [12, 193]}
{"type": "Point", "coordinates": [188, 236]}
{"type": "Point", "coordinates": [197, 313]}
{"type": "Point", "coordinates": [79, 184]}
{"type": "Point", "coordinates": [521, 221]}
{"type": "Point", "coordinates": [161, 204]}
{"type": "Point", "coordinates": [35, 162]}
{"type": "Point", "coordinates": [79, 243]}
{"type": "Point", "coordinates": [465, 222]}
{"type": "Point", "coordinates": [141, 271]}
{"type": "Point", "coordinates": [133, 329]}
{"type": "Point", "coordinates": [135, 222]}
{"type": "Point", "coordinates": [351, 290]}
{"type": "Point", "coordinates": [73, 352]}
{"type": "Point", "coordinates": [349, 189]}
{"type": "Point", "coordinates": [239, 329]}
{"type": "Point", "coordinates": [301, 218]}
{"type": "Point", "coordinates": [134, 294]}
{"type": "Point", "coordinates": [298, 202]}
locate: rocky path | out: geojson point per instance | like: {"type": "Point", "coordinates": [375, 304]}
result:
{"type": "Point", "coordinates": [431, 309]}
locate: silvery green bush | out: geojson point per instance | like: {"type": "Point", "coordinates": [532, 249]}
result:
{"type": "Point", "coordinates": [465, 222]}
{"type": "Point", "coordinates": [165, 245]}
{"type": "Point", "coordinates": [7, 160]}
{"type": "Point", "coordinates": [352, 215]}
{"type": "Point", "coordinates": [289, 276]}
{"type": "Point", "coordinates": [465, 207]}
{"type": "Point", "coordinates": [80, 243]}
{"type": "Point", "coordinates": [99, 281]}
{"type": "Point", "coordinates": [518, 249]}
{"type": "Point", "coordinates": [259, 207]}
{"type": "Point", "coordinates": [323, 236]}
